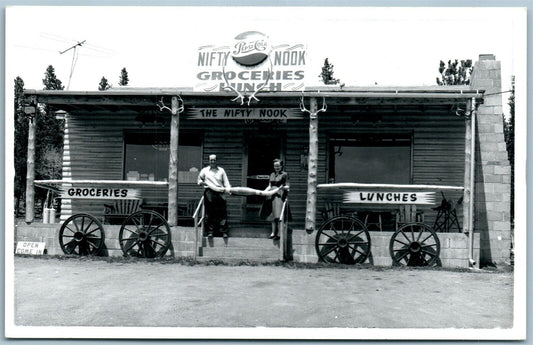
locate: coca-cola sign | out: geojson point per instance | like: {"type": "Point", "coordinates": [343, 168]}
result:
{"type": "Point", "coordinates": [251, 48]}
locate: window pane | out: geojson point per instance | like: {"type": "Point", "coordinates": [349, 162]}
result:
{"type": "Point", "coordinates": [372, 164]}
{"type": "Point", "coordinates": [147, 156]}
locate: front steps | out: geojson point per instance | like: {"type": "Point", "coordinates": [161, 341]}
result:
{"type": "Point", "coordinates": [250, 244]}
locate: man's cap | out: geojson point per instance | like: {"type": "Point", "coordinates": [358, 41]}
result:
{"type": "Point", "coordinates": [212, 157]}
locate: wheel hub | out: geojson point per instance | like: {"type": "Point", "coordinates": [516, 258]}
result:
{"type": "Point", "coordinates": [415, 247]}
{"type": "Point", "coordinates": [143, 235]}
{"type": "Point", "coordinates": [79, 236]}
{"type": "Point", "coordinates": [342, 242]}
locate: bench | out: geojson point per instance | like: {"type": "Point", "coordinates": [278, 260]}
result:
{"type": "Point", "coordinates": [119, 210]}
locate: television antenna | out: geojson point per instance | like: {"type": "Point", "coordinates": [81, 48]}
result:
{"type": "Point", "coordinates": [74, 58]}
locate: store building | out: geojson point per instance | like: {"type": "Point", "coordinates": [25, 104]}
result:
{"type": "Point", "coordinates": [382, 137]}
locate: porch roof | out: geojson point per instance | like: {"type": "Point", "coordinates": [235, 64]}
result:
{"type": "Point", "coordinates": [337, 98]}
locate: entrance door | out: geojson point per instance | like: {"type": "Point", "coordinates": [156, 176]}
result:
{"type": "Point", "coordinates": [262, 149]}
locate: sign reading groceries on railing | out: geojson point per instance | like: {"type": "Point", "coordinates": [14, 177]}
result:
{"type": "Point", "coordinates": [99, 193]}
{"type": "Point", "coordinates": [390, 197]}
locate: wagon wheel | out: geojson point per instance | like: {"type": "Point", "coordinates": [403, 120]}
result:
{"type": "Point", "coordinates": [344, 240]}
{"type": "Point", "coordinates": [144, 234]}
{"type": "Point", "coordinates": [415, 244]}
{"type": "Point", "coordinates": [81, 234]}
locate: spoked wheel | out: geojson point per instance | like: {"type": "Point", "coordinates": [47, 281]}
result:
{"type": "Point", "coordinates": [81, 234]}
{"type": "Point", "coordinates": [343, 240]}
{"type": "Point", "coordinates": [415, 244]}
{"type": "Point", "coordinates": [144, 234]}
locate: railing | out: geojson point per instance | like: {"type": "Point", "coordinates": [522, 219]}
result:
{"type": "Point", "coordinates": [283, 224]}
{"type": "Point", "coordinates": [198, 225]}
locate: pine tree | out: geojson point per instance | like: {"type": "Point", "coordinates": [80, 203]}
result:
{"type": "Point", "coordinates": [21, 144]}
{"type": "Point", "coordinates": [49, 137]}
{"type": "Point", "coordinates": [123, 81]}
{"type": "Point", "coordinates": [50, 80]}
{"type": "Point", "coordinates": [104, 85]}
{"type": "Point", "coordinates": [455, 73]}
{"type": "Point", "coordinates": [327, 74]}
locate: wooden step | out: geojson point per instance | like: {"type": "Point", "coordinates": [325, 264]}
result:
{"type": "Point", "coordinates": [240, 248]}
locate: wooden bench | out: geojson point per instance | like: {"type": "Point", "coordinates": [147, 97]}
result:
{"type": "Point", "coordinates": [119, 210]}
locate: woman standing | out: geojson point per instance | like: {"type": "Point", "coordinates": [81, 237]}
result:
{"type": "Point", "coordinates": [278, 178]}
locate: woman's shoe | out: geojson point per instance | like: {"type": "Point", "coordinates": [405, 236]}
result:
{"type": "Point", "coordinates": [272, 236]}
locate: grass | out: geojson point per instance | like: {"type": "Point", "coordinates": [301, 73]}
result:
{"type": "Point", "coordinates": [189, 261]}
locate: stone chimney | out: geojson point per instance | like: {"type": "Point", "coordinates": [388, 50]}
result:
{"type": "Point", "coordinates": [492, 204]}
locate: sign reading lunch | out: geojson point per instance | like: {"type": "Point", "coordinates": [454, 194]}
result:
{"type": "Point", "coordinates": [390, 197]}
{"type": "Point", "coordinates": [249, 64]}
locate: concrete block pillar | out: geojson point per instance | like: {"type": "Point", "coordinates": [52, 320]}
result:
{"type": "Point", "coordinates": [492, 203]}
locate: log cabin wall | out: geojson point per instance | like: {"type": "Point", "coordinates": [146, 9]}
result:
{"type": "Point", "coordinates": [97, 151]}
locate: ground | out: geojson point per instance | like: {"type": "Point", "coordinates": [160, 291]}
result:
{"type": "Point", "coordinates": [59, 291]}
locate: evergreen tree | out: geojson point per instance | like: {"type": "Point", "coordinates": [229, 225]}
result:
{"type": "Point", "coordinates": [50, 80]}
{"type": "Point", "coordinates": [104, 85]}
{"type": "Point", "coordinates": [123, 81]}
{"type": "Point", "coordinates": [455, 73]}
{"type": "Point", "coordinates": [49, 137]}
{"type": "Point", "coordinates": [21, 144]}
{"type": "Point", "coordinates": [327, 74]}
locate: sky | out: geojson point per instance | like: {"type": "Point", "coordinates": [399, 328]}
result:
{"type": "Point", "coordinates": [159, 45]}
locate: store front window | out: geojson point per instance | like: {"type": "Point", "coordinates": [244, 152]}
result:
{"type": "Point", "coordinates": [370, 158]}
{"type": "Point", "coordinates": [147, 155]}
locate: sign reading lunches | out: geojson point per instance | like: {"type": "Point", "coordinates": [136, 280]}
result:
{"type": "Point", "coordinates": [32, 248]}
{"type": "Point", "coordinates": [385, 197]}
{"type": "Point", "coordinates": [99, 193]}
{"type": "Point", "coordinates": [251, 63]}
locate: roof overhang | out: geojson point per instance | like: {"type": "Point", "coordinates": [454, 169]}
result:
{"type": "Point", "coordinates": [138, 100]}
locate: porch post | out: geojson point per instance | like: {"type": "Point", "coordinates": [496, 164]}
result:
{"type": "Point", "coordinates": [310, 213]}
{"type": "Point", "coordinates": [469, 180]}
{"type": "Point", "coordinates": [30, 166]}
{"type": "Point", "coordinates": [173, 165]}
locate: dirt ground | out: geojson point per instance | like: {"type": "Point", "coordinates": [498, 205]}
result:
{"type": "Point", "coordinates": [56, 291]}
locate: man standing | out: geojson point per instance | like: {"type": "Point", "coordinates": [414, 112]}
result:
{"type": "Point", "coordinates": [216, 183]}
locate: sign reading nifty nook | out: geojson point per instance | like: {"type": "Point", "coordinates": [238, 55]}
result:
{"type": "Point", "coordinates": [251, 64]}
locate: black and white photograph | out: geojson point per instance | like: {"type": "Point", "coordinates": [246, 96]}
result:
{"type": "Point", "coordinates": [265, 172]}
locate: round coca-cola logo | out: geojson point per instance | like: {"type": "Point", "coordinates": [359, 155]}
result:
{"type": "Point", "coordinates": [251, 48]}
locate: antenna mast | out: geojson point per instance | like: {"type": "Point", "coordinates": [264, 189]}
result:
{"type": "Point", "coordinates": [74, 59]}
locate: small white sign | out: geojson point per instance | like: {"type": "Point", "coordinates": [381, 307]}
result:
{"type": "Point", "coordinates": [32, 248]}
{"type": "Point", "coordinates": [389, 197]}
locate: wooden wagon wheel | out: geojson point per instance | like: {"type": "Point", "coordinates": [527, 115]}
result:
{"type": "Point", "coordinates": [344, 240]}
{"type": "Point", "coordinates": [144, 234]}
{"type": "Point", "coordinates": [415, 244]}
{"type": "Point", "coordinates": [81, 234]}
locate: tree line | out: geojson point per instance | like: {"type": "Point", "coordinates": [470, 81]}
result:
{"type": "Point", "coordinates": [49, 138]}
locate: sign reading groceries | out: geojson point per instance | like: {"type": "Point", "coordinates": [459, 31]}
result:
{"type": "Point", "coordinates": [99, 193]}
{"type": "Point", "coordinates": [385, 197]}
{"type": "Point", "coordinates": [250, 64]}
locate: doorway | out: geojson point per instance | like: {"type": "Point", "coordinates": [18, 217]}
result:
{"type": "Point", "coordinates": [261, 150]}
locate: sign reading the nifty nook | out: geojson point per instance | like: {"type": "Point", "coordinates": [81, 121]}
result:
{"type": "Point", "coordinates": [251, 64]}
{"type": "Point", "coordinates": [99, 193]}
{"type": "Point", "coordinates": [384, 197]}
{"type": "Point", "coordinates": [244, 113]}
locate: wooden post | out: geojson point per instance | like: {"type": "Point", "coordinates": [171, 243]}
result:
{"type": "Point", "coordinates": [310, 212]}
{"type": "Point", "coordinates": [30, 173]}
{"type": "Point", "coordinates": [173, 165]}
{"type": "Point", "coordinates": [469, 180]}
